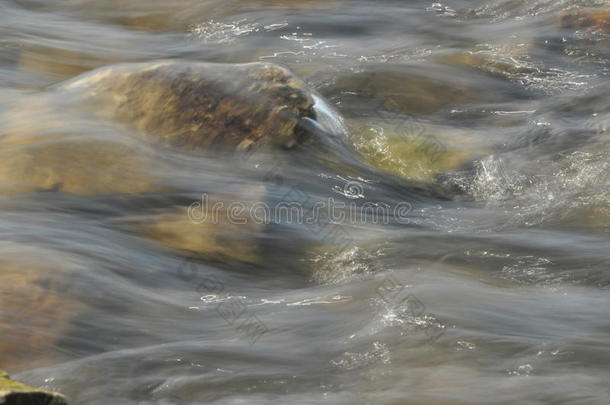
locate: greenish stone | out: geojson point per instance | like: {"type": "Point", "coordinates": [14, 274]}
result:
{"type": "Point", "coordinates": [16, 393]}
{"type": "Point", "coordinates": [412, 150]}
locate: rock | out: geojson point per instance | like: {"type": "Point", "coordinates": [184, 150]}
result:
{"type": "Point", "coordinates": [45, 149]}
{"type": "Point", "coordinates": [411, 150]}
{"type": "Point", "coordinates": [16, 393]}
{"type": "Point", "coordinates": [219, 230]}
{"type": "Point", "coordinates": [37, 305]}
{"type": "Point", "coordinates": [403, 92]}
{"type": "Point", "coordinates": [589, 20]}
{"type": "Point", "coordinates": [130, 115]}
{"type": "Point", "coordinates": [485, 62]}
{"type": "Point", "coordinates": [411, 89]}
{"type": "Point", "coordinates": [199, 105]}
{"type": "Point", "coordinates": [59, 63]}
{"type": "Point", "coordinates": [65, 163]}
{"type": "Point", "coordinates": [79, 137]}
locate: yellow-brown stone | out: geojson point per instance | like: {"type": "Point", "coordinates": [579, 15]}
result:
{"type": "Point", "coordinates": [36, 306]}
{"type": "Point", "coordinates": [199, 105]}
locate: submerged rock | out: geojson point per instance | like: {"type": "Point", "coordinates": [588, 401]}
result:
{"type": "Point", "coordinates": [58, 62]}
{"type": "Point", "coordinates": [589, 20]}
{"type": "Point", "coordinates": [225, 230]}
{"type": "Point", "coordinates": [397, 90]}
{"type": "Point", "coordinates": [79, 138]}
{"type": "Point", "coordinates": [82, 166]}
{"type": "Point", "coordinates": [412, 150]}
{"type": "Point", "coordinates": [411, 89]}
{"type": "Point", "coordinates": [37, 305]}
{"type": "Point", "coordinates": [120, 130]}
{"type": "Point", "coordinates": [486, 62]}
{"type": "Point", "coordinates": [126, 111]}
{"type": "Point", "coordinates": [16, 393]}
{"type": "Point", "coordinates": [199, 105]}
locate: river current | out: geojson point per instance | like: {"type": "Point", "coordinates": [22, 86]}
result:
{"type": "Point", "coordinates": [467, 260]}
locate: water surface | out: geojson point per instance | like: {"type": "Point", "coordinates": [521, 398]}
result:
{"type": "Point", "coordinates": [488, 118]}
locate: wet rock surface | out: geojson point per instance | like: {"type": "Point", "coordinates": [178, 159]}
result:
{"type": "Point", "coordinates": [214, 228]}
{"type": "Point", "coordinates": [412, 150]}
{"type": "Point", "coordinates": [500, 283]}
{"type": "Point", "coordinates": [410, 89]}
{"type": "Point", "coordinates": [200, 105]}
{"type": "Point", "coordinates": [185, 105]}
{"type": "Point", "coordinates": [588, 20]}
{"type": "Point", "coordinates": [16, 393]}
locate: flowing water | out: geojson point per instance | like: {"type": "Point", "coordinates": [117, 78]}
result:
{"type": "Point", "coordinates": [467, 142]}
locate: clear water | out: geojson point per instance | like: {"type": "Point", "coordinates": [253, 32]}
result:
{"type": "Point", "coordinates": [491, 289]}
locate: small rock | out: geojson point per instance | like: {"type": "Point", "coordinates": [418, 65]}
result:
{"type": "Point", "coordinates": [16, 393]}
{"type": "Point", "coordinates": [411, 150]}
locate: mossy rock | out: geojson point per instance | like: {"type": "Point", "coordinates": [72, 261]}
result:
{"type": "Point", "coordinates": [16, 393]}
{"type": "Point", "coordinates": [411, 150]}
{"type": "Point", "coordinates": [132, 113]}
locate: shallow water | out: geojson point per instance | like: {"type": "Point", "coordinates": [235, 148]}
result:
{"type": "Point", "coordinates": [486, 122]}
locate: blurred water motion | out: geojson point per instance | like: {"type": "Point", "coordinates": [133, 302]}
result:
{"type": "Point", "coordinates": [489, 118]}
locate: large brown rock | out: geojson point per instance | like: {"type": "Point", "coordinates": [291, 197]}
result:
{"type": "Point", "coordinates": [99, 133]}
{"type": "Point", "coordinates": [199, 105]}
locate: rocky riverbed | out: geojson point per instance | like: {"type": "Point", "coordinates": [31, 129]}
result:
{"type": "Point", "coordinates": [337, 202]}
